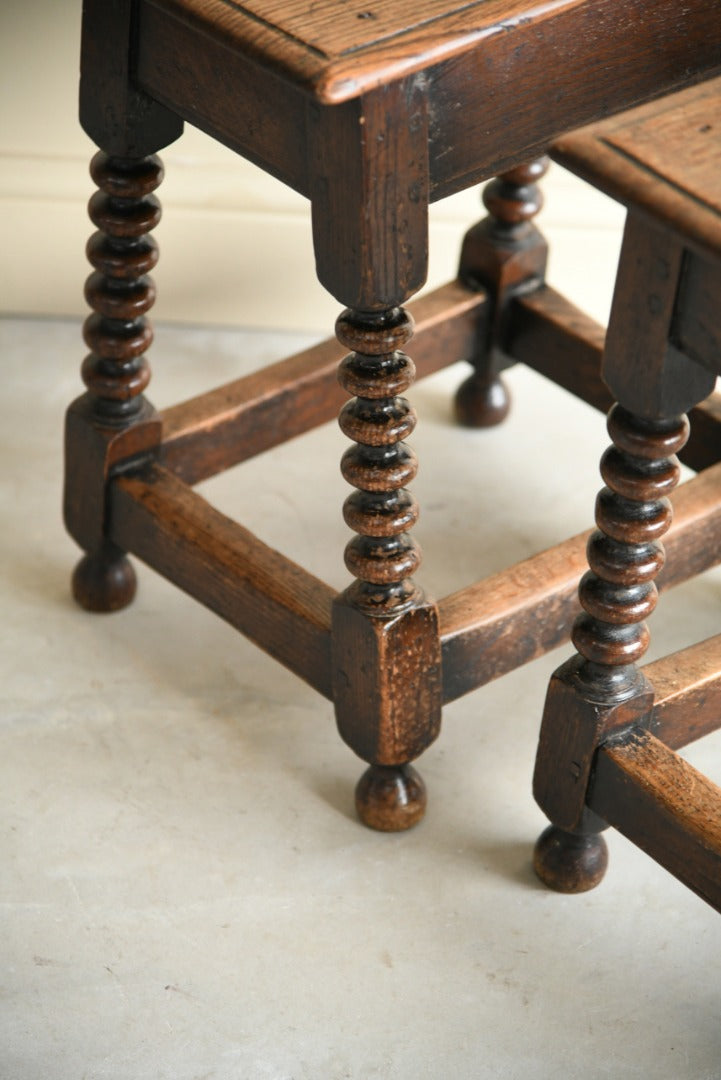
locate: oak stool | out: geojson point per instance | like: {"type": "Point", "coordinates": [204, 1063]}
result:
{"type": "Point", "coordinates": [372, 111]}
{"type": "Point", "coordinates": [607, 751]}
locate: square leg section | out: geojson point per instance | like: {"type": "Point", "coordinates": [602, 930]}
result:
{"type": "Point", "coordinates": [387, 690]}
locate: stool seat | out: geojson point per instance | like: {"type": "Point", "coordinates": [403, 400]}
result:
{"type": "Point", "coordinates": [255, 75]}
{"type": "Point", "coordinates": [664, 158]}
{"type": "Point", "coordinates": [337, 51]}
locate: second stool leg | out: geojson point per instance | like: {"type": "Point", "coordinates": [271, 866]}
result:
{"type": "Point", "coordinates": [601, 692]}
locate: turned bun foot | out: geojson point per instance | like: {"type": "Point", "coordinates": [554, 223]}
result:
{"type": "Point", "coordinates": [390, 797]}
{"type": "Point", "coordinates": [104, 580]}
{"type": "Point", "coordinates": [570, 862]}
{"type": "Point", "coordinates": [481, 402]}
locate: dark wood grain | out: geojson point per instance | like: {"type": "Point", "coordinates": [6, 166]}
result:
{"type": "Point", "coordinates": [665, 806]}
{"type": "Point", "coordinates": [113, 418]}
{"type": "Point", "coordinates": [548, 333]}
{"type": "Point", "coordinates": [364, 46]}
{"type": "Point", "coordinates": [373, 111]}
{"type": "Point", "coordinates": [642, 365]}
{"type": "Point", "coordinates": [506, 254]}
{"type": "Point", "coordinates": [339, 52]}
{"type": "Point", "coordinates": [696, 329]}
{"type": "Point", "coordinates": [552, 74]}
{"type": "Point", "coordinates": [171, 68]}
{"type": "Point", "coordinates": [489, 68]}
{"type": "Point", "coordinates": [376, 662]}
{"type": "Point", "coordinates": [116, 114]}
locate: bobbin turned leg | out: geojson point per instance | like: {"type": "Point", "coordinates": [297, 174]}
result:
{"type": "Point", "coordinates": [370, 232]}
{"type": "Point", "coordinates": [601, 692]}
{"type": "Point", "coordinates": [506, 254]}
{"type": "Point", "coordinates": [387, 690]}
{"type": "Point", "coordinates": [113, 420]}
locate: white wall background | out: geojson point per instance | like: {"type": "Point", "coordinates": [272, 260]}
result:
{"type": "Point", "coordinates": [235, 244]}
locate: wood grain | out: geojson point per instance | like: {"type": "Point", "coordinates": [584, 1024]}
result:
{"type": "Point", "coordinates": [687, 698]}
{"type": "Point", "coordinates": [664, 806]}
{"type": "Point", "coordinates": [515, 93]}
{"type": "Point", "coordinates": [487, 69]}
{"type": "Point", "coordinates": [266, 596]}
{"type": "Point", "coordinates": [366, 45]}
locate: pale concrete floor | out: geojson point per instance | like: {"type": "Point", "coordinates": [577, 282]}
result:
{"type": "Point", "coordinates": [186, 892]}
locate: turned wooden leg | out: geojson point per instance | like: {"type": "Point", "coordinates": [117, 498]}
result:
{"type": "Point", "coordinates": [113, 420]}
{"type": "Point", "coordinates": [570, 861]}
{"type": "Point", "coordinates": [503, 253]}
{"type": "Point", "coordinates": [387, 647]}
{"type": "Point", "coordinates": [601, 693]}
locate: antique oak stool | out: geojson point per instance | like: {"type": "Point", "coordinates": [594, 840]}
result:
{"type": "Point", "coordinates": [610, 729]}
{"type": "Point", "coordinates": [371, 111]}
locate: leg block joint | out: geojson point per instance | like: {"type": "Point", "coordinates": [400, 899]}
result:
{"type": "Point", "coordinates": [575, 723]}
{"type": "Point", "coordinates": [387, 681]}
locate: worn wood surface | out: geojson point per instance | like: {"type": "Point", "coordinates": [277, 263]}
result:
{"type": "Point", "coordinates": [340, 51]}
{"type": "Point", "coordinates": [266, 596]}
{"type": "Point", "coordinates": [578, 717]}
{"type": "Point", "coordinates": [372, 114]}
{"type": "Point", "coordinates": [486, 629]}
{"type": "Point", "coordinates": [696, 328]}
{"type": "Point", "coordinates": [488, 68]}
{"type": "Point", "coordinates": [687, 693]}
{"type": "Point", "coordinates": [665, 806]}
{"type": "Point", "coordinates": [368, 183]}
{"type": "Point", "coordinates": [600, 691]}
{"type": "Point", "coordinates": [113, 419]}
{"type": "Point", "coordinates": [387, 681]}
{"type": "Point", "coordinates": [552, 75]}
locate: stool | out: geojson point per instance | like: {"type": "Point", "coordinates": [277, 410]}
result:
{"type": "Point", "coordinates": [371, 111]}
{"type": "Point", "coordinates": [610, 729]}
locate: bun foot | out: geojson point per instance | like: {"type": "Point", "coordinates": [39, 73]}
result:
{"type": "Point", "coordinates": [482, 403]}
{"type": "Point", "coordinates": [104, 580]}
{"type": "Point", "coordinates": [570, 862]}
{"type": "Point", "coordinates": [390, 797]}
